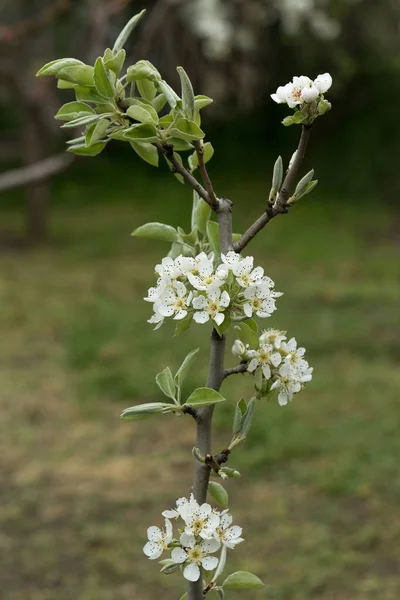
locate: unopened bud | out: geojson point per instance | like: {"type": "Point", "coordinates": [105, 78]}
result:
{"type": "Point", "coordinates": [238, 348]}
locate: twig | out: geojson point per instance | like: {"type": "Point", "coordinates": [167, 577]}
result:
{"type": "Point", "coordinates": [168, 152]}
{"type": "Point", "coordinates": [280, 205]}
{"type": "Point", "coordinates": [34, 173]}
{"type": "Point", "coordinates": [203, 170]}
{"type": "Point", "coordinates": [188, 410]}
{"type": "Point", "coordinates": [242, 368]}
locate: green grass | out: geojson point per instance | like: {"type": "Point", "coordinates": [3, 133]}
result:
{"type": "Point", "coordinates": [318, 499]}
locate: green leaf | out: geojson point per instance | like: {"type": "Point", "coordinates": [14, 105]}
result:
{"type": "Point", "coordinates": [143, 114]}
{"type": "Point", "coordinates": [186, 130]}
{"type": "Point", "coordinates": [183, 325]}
{"type": "Point", "coordinates": [81, 121]}
{"type": "Point", "coordinates": [144, 411]}
{"type": "Point", "coordinates": [126, 32]}
{"type": "Point", "coordinates": [157, 231]}
{"type": "Point", "coordinates": [287, 121]}
{"type": "Point", "coordinates": [180, 145]}
{"type": "Point", "coordinates": [147, 152]}
{"type": "Point", "coordinates": [310, 186]}
{"type": "Point", "coordinates": [171, 96]}
{"type": "Point", "coordinates": [240, 411]}
{"type": "Point", "coordinates": [204, 397]}
{"type": "Point", "coordinates": [159, 102]}
{"type": "Point", "coordinates": [242, 580]}
{"type": "Point", "coordinates": [324, 106]}
{"type": "Point", "coordinates": [184, 597]}
{"type": "Point", "coordinates": [55, 66]}
{"type": "Point", "coordinates": [247, 335]}
{"type": "Point", "coordinates": [248, 417]}
{"type": "Point", "coordinates": [202, 101]}
{"type": "Point", "coordinates": [184, 368]}
{"type": "Point", "coordinates": [74, 110]}
{"type": "Point", "coordinates": [277, 176]}
{"type": "Point", "coordinates": [114, 62]}
{"type": "Point", "coordinates": [223, 328]}
{"type": "Point", "coordinates": [83, 150]}
{"type": "Point", "coordinates": [201, 213]}
{"type": "Point", "coordinates": [88, 94]}
{"type": "Point", "coordinates": [144, 132]}
{"type": "Point", "coordinates": [213, 236]}
{"type": "Point", "coordinates": [187, 93]}
{"type": "Point", "coordinates": [99, 131]}
{"type": "Point", "coordinates": [252, 324]}
{"type": "Point", "coordinates": [65, 85]}
{"type": "Point", "coordinates": [165, 382]}
{"type": "Point", "coordinates": [103, 81]}
{"type": "Point", "coordinates": [171, 167]}
{"type": "Point", "coordinates": [143, 69]}
{"type": "Point", "coordinates": [208, 152]}
{"type": "Point", "coordinates": [79, 74]}
{"type": "Point", "coordinates": [146, 89]}
{"type": "Point", "coordinates": [219, 493]}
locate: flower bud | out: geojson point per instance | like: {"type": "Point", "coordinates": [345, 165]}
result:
{"type": "Point", "coordinates": [238, 348]}
{"type": "Point", "coordinates": [309, 93]}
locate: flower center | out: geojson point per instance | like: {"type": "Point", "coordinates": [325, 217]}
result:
{"type": "Point", "coordinates": [179, 303]}
{"type": "Point", "coordinates": [246, 279]}
{"type": "Point", "coordinates": [195, 554]}
{"type": "Point", "coordinates": [197, 526]}
{"type": "Point", "coordinates": [213, 307]}
{"type": "Point", "coordinates": [208, 279]}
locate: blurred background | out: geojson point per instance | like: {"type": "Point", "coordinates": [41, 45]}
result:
{"type": "Point", "coordinates": [320, 490]}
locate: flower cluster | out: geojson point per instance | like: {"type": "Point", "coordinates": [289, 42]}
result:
{"type": "Point", "coordinates": [203, 532]}
{"type": "Point", "coordinates": [194, 287]}
{"type": "Point", "coordinates": [280, 362]}
{"type": "Point", "coordinates": [302, 90]}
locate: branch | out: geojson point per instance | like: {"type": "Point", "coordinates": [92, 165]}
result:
{"type": "Point", "coordinates": [280, 205]}
{"type": "Point", "coordinates": [242, 368]}
{"type": "Point", "coordinates": [168, 152]}
{"type": "Point", "coordinates": [36, 172]}
{"type": "Point", "coordinates": [203, 170]}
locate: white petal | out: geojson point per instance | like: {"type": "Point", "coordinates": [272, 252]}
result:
{"type": "Point", "coordinates": [233, 533]}
{"type": "Point", "coordinates": [226, 520]}
{"type": "Point", "coordinates": [196, 281]}
{"type": "Point", "coordinates": [213, 293]}
{"type": "Point", "coordinates": [154, 534]}
{"type": "Point", "coordinates": [187, 540]}
{"type": "Point", "coordinates": [266, 369]}
{"type": "Point", "coordinates": [257, 273]}
{"type": "Point", "coordinates": [181, 314]}
{"type": "Point", "coordinates": [282, 398]}
{"type": "Point", "coordinates": [201, 317]}
{"type": "Point", "coordinates": [309, 93]}
{"type": "Point", "coordinates": [209, 563]}
{"type": "Point", "coordinates": [180, 289]}
{"type": "Point", "coordinates": [166, 310]}
{"type": "Point", "coordinates": [248, 311]}
{"type": "Point", "coordinates": [219, 317]}
{"type": "Point", "coordinates": [168, 532]}
{"type": "Point", "coordinates": [210, 546]}
{"type": "Point", "coordinates": [199, 302]}
{"type": "Point", "coordinates": [280, 96]}
{"type": "Point", "coordinates": [213, 521]}
{"type": "Point", "coordinates": [204, 510]}
{"type": "Point", "coordinates": [224, 302]}
{"type": "Point", "coordinates": [323, 82]}
{"type": "Point", "coordinates": [276, 359]}
{"type": "Point", "coordinates": [253, 364]}
{"type": "Point", "coordinates": [170, 514]}
{"type": "Point", "coordinates": [179, 555]}
{"type": "Point", "coordinates": [153, 550]}
{"type": "Point", "coordinates": [191, 572]}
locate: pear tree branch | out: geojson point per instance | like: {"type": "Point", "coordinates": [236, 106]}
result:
{"type": "Point", "coordinates": [203, 170]}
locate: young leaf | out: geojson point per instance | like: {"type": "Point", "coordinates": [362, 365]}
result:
{"type": "Point", "coordinates": [180, 145]}
{"type": "Point", "coordinates": [183, 325]}
{"type": "Point", "coordinates": [247, 335]}
{"type": "Point", "coordinates": [187, 93]}
{"type": "Point", "coordinates": [146, 89]}
{"type": "Point", "coordinates": [277, 176]}
{"type": "Point", "coordinates": [88, 94]}
{"type": "Point", "coordinates": [171, 167]}
{"type": "Point", "coordinates": [184, 368]}
{"type": "Point", "coordinates": [186, 130]}
{"type": "Point", "coordinates": [144, 132]}
{"type": "Point", "coordinates": [114, 62]}
{"type": "Point", "coordinates": [147, 152]}
{"type": "Point", "coordinates": [157, 231]}
{"type": "Point", "coordinates": [144, 411]}
{"type": "Point", "coordinates": [165, 382]}
{"type": "Point", "coordinates": [242, 580]}
{"type": "Point", "coordinates": [252, 324]}
{"type": "Point", "coordinates": [202, 101]}
{"type": "Point", "coordinates": [65, 85]}
{"type": "Point", "coordinates": [208, 152]}
{"type": "Point", "coordinates": [219, 493]}
{"type": "Point", "coordinates": [143, 114]}
{"type": "Point", "coordinates": [78, 74]}
{"type": "Point", "coordinates": [99, 131]}
{"type": "Point", "coordinates": [159, 102]}
{"type": "Point", "coordinates": [201, 213]}
{"type": "Point", "coordinates": [74, 110]}
{"type": "Point", "coordinates": [223, 328]}
{"type": "Point", "coordinates": [204, 397]}
{"type": "Point", "coordinates": [213, 236]}
{"type": "Point", "coordinates": [171, 96]}
{"type": "Point", "coordinates": [126, 32]}
{"type": "Point", "coordinates": [143, 69]}
{"type": "Point", "coordinates": [83, 150]}
{"type": "Point", "coordinates": [248, 417]}
{"type": "Point", "coordinates": [103, 82]}
{"type": "Point", "coordinates": [240, 411]}
{"type": "Point", "coordinates": [55, 66]}
{"type": "Point", "coordinates": [301, 186]}
{"type": "Point", "coordinates": [81, 121]}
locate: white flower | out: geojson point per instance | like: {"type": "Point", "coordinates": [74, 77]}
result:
{"type": "Point", "coordinates": [272, 336]}
{"type": "Point", "coordinates": [309, 92]}
{"type": "Point", "coordinates": [158, 540]}
{"type": "Point", "coordinates": [286, 383]}
{"type": "Point", "coordinates": [280, 96]}
{"type": "Point", "coordinates": [213, 306]}
{"type": "Point", "coordinates": [245, 274]}
{"type": "Point", "coordinates": [231, 259]}
{"type": "Point", "coordinates": [201, 521]}
{"type": "Point", "coordinates": [264, 357]}
{"type": "Point", "coordinates": [323, 82]}
{"type": "Point", "coordinates": [228, 536]}
{"type": "Point", "coordinates": [183, 507]}
{"type": "Point", "coordinates": [195, 555]}
{"type": "Point", "coordinates": [259, 300]}
{"type": "Point", "coordinates": [168, 268]}
{"type": "Point", "coordinates": [156, 319]}
{"type": "Point", "coordinates": [294, 355]}
{"type": "Point", "coordinates": [174, 301]}
{"type": "Point", "coordinates": [238, 348]}
{"type": "Point", "coordinates": [206, 276]}
{"type": "Point", "coordinates": [293, 90]}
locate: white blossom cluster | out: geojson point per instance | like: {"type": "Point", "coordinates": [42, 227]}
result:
{"type": "Point", "coordinates": [280, 361]}
{"type": "Point", "coordinates": [193, 286]}
{"type": "Point", "coordinates": [302, 90]}
{"type": "Point", "coordinates": [203, 532]}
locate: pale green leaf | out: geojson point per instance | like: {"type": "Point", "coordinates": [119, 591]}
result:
{"type": "Point", "coordinates": [126, 32]}
{"type": "Point", "coordinates": [277, 175]}
{"type": "Point", "coordinates": [146, 89]}
{"type": "Point", "coordinates": [74, 110]}
{"type": "Point", "coordinates": [83, 150]}
{"type": "Point", "coordinates": [103, 81]}
{"type": "Point", "coordinates": [213, 236]}
{"type": "Point", "coordinates": [171, 167]}
{"type": "Point", "coordinates": [81, 121]}
{"type": "Point", "coordinates": [55, 66]}
{"type": "Point", "coordinates": [183, 325]}
{"type": "Point", "coordinates": [159, 102]}
{"type": "Point", "coordinates": [184, 368]}
{"type": "Point", "coordinates": [144, 411]}
{"type": "Point", "coordinates": [180, 145]}
{"type": "Point", "coordinates": [248, 417]}
{"type": "Point", "coordinates": [165, 382]}
{"type": "Point", "coordinates": [143, 114]}
{"type": "Point", "coordinates": [114, 62]}
{"type": "Point", "coordinates": [202, 101]}
{"type": "Point", "coordinates": [208, 152]}
{"type": "Point", "coordinates": [247, 335]}
{"type": "Point", "coordinates": [186, 130]}
{"type": "Point", "coordinates": [99, 131]}
{"type": "Point", "coordinates": [204, 397]}
{"type": "Point", "coordinates": [242, 580]}
{"type": "Point", "coordinates": [240, 411]}
{"type": "Point", "coordinates": [143, 69]}
{"type": "Point", "coordinates": [187, 93]}
{"type": "Point", "coordinates": [201, 213]}
{"type": "Point", "coordinates": [88, 94]}
{"type": "Point", "coordinates": [78, 74]}
{"type": "Point", "coordinates": [171, 96]}
{"type": "Point", "coordinates": [157, 231]}
{"type": "Point", "coordinates": [219, 493]}
{"type": "Point", "coordinates": [147, 152]}
{"type": "Point", "coordinates": [144, 132]}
